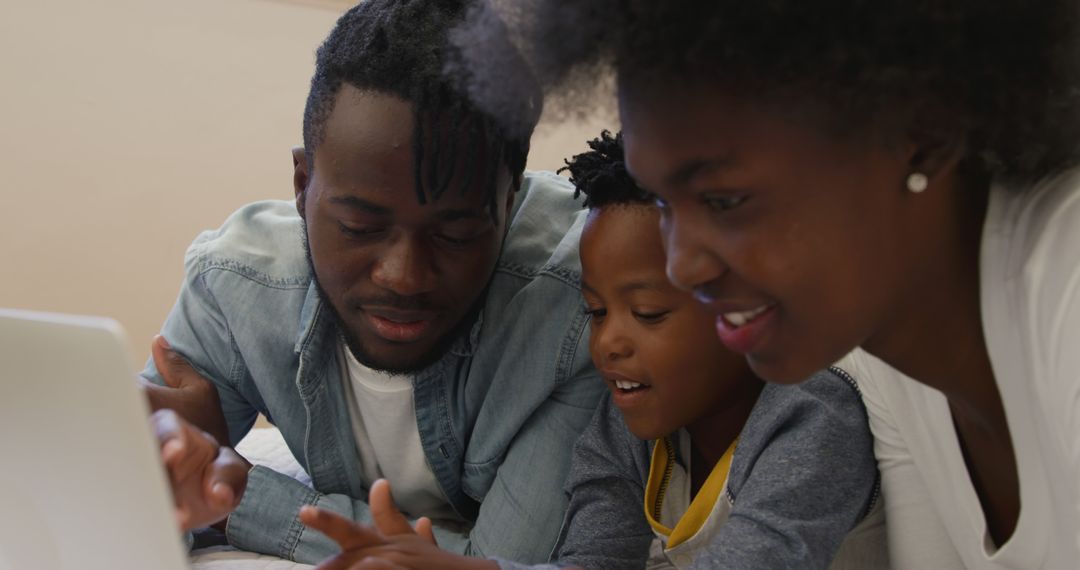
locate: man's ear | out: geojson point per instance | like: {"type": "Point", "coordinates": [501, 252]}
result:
{"type": "Point", "coordinates": [300, 177]}
{"type": "Point", "coordinates": [515, 186]}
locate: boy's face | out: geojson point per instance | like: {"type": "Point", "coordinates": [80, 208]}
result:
{"type": "Point", "coordinates": [654, 345]}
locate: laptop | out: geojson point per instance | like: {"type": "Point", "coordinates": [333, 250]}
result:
{"type": "Point", "coordinates": [81, 485]}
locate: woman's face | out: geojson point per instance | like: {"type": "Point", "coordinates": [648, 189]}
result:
{"type": "Point", "coordinates": [803, 245]}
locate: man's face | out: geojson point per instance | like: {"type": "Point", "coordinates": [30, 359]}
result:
{"type": "Point", "coordinates": [402, 277]}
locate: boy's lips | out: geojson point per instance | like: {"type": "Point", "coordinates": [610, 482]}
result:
{"type": "Point", "coordinates": [626, 393]}
{"type": "Point", "coordinates": [399, 326]}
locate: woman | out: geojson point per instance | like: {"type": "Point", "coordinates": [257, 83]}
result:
{"type": "Point", "coordinates": [895, 178]}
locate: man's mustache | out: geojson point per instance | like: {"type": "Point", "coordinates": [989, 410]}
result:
{"type": "Point", "coordinates": [392, 301]}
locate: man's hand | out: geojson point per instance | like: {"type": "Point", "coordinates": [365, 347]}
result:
{"type": "Point", "coordinates": [193, 397]}
{"type": "Point", "coordinates": [392, 544]}
{"type": "Point", "coordinates": [207, 480]}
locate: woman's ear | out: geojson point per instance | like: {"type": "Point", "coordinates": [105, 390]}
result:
{"type": "Point", "coordinates": [933, 153]}
{"type": "Point", "coordinates": [300, 177]}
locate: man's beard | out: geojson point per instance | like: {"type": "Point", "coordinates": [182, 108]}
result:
{"type": "Point", "coordinates": [388, 299]}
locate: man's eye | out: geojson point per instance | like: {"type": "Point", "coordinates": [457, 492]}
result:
{"type": "Point", "coordinates": [721, 203]}
{"type": "Point", "coordinates": [455, 240]}
{"type": "Point", "coordinates": [650, 317]}
{"type": "Point", "coordinates": [359, 232]}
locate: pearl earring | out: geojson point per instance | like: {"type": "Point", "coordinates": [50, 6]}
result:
{"type": "Point", "coordinates": [917, 182]}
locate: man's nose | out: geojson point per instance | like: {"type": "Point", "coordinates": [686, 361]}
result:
{"type": "Point", "coordinates": [406, 268]}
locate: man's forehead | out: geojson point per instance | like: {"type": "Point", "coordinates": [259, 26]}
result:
{"type": "Point", "coordinates": [369, 118]}
{"type": "Point", "coordinates": [369, 153]}
{"type": "Point", "coordinates": [386, 204]}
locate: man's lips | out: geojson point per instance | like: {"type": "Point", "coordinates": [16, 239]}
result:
{"type": "Point", "coordinates": [399, 326]}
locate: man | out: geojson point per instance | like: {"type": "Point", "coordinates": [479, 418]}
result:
{"type": "Point", "coordinates": [414, 315]}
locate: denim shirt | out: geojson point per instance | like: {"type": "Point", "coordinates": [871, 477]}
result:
{"type": "Point", "coordinates": [497, 415]}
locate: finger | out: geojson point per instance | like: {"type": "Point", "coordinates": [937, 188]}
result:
{"type": "Point", "coordinates": [372, 563]}
{"type": "Point", "coordinates": [165, 361]}
{"type": "Point", "coordinates": [349, 561]}
{"type": "Point", "coordinates": [172, 437]}
{"type": "Point", "coordinates": [346, 533]}
{"type": "Point", "coordinates": [172, 366]}
{"type": "Point", "coordinates": [226, 480]}
{"type": "Point", "coordinates": [166, 424]}
{"type": "Point", "coordinates": [183, 517]}
{"type": "Point", "coordinates": [185, 450]}
{"type": "Point", "coordinates": [157, 396]}
{"type": "Point", "coordinates": [388, 519]}
{"type": "Point", "coordinates": [424, 530]}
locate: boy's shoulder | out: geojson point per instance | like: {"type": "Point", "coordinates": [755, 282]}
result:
{"type": "Point", "coordinates": [830, 392]}
{"type": "Point", "coordinates": [808, 423]}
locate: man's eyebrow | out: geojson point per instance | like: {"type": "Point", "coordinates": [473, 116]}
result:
{"type": "Point", "coordinates": [464, 214]}
{"type": "Point", "coordinates": [697, 167]}
{"type": "Point", "coordinates": [361, 204]}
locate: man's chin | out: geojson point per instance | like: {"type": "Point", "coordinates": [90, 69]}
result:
{"type": "Point", "coordinates": [397, 358]}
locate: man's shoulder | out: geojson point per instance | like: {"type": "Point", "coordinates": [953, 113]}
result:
{"type": "Point", "coordinates": [261, 241]}
{"type": "Point", "coordinates": [545, 227]}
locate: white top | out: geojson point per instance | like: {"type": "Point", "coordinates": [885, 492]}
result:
{"type": "Point", "coordinates": [387, 437]}
{"type": "Point", "coordinates": [1030, 274]}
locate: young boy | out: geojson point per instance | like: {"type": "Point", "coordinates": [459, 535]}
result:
{"type": "Point", "coordinates": [693, 461]}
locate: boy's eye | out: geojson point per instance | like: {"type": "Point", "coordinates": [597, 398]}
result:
{"type": "Point", "coordinates": [722, 203]}
{"type": "Point", "coordinates": [595, 313]}
{"type": "Point", "coordinates": [650, 317]}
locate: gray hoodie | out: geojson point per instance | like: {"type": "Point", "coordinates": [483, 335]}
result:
{"type": "Point", "coordinates": [803, 486]}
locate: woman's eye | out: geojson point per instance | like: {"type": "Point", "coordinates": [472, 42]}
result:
{"type": "Point", "coordinates": [650, 317]}
{"type": "Point", "coordinates": [721, 203]}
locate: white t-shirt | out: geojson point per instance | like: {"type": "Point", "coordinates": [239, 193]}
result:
{"type": "Point", "coordinates": [1030, 296]}
{"type": "Point", "coordinates": [387, 437]}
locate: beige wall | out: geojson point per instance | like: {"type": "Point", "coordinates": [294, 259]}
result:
{"type": "Point", "coordinates": [130, 125]}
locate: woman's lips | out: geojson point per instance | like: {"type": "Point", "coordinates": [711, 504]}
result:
{"type": "Point", "coordinates": [743, 331]}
